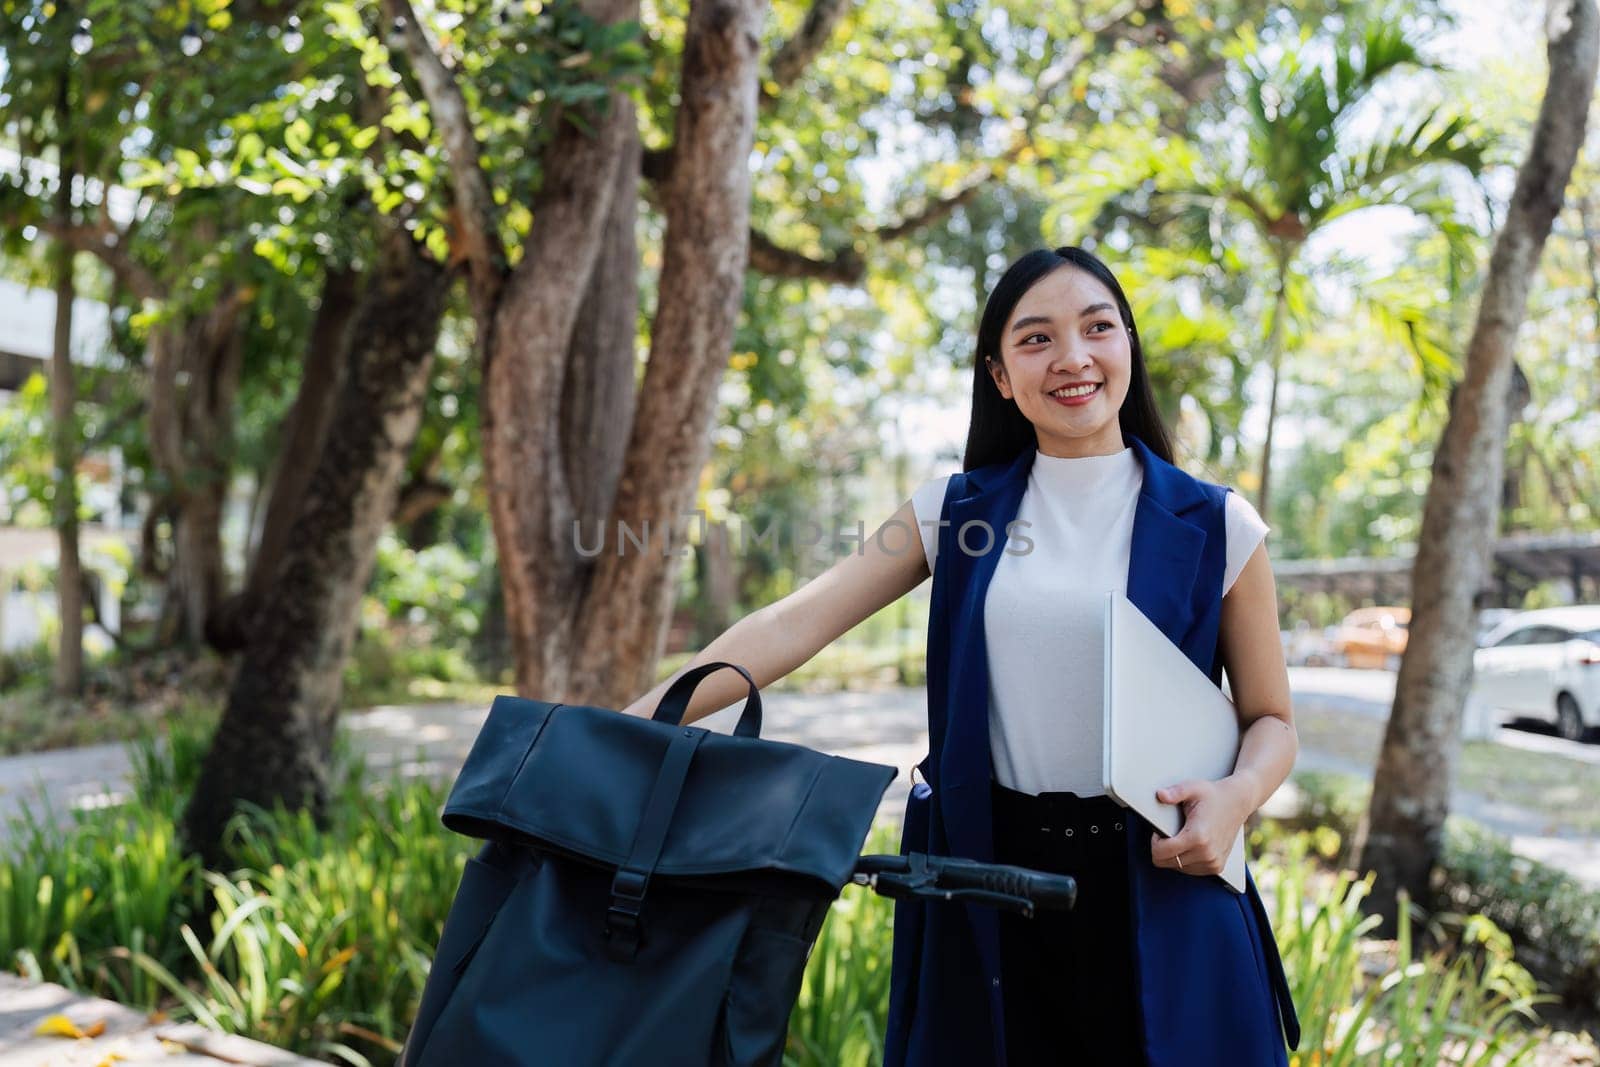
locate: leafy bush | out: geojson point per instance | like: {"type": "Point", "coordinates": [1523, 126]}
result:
{"type": "Point", "coordinates": [420, 618]}
{"type": "Point", "coordinates": [1553, 918]}
{"type": "Point", "coordinates": [392, 664]}
{"type": "Point", "coordinates": [29, 663]}
{"type": "Point", "coordinates": [436, 589]}
{"type": "Point", "coordinates": [317, 940]}
{"type": "Point", "coordinates": [1356, 1007]}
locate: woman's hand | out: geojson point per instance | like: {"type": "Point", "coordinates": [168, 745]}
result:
{"type": "Point", "coordinates": [1213, 812]}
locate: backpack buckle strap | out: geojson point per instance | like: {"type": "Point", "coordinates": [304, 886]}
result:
{"type": "Point", "coordinates": [622, 917]}
{"type": "Point", "coordinates": [623, 931]}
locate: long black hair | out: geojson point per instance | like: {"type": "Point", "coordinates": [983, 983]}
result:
{"type": "Point", "coordinates": [999, 431]}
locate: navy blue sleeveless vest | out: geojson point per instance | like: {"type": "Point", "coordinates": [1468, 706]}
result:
{"type": "Point", "coordinates": [1211, 987]}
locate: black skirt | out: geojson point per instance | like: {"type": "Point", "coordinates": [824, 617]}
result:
{"type": "Point", "coordinates": [1067, 976]}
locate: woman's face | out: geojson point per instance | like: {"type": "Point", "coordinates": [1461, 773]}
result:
{"type": "Point", "coordinates": [1066, 333]}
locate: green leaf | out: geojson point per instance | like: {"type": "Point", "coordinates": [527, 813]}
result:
{"type": "Point", "coordinates": [188, 162]}
{"type": "Point", "coordinates": [438, 243]}
{"type": "Point", "coordinates": [250, 148]}
{"type": "Point", "coordinates": [297, 135]}
{"type": "Point", "coordinates": [345, 16]}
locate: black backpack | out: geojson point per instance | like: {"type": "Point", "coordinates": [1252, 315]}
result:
{"type": "Point", "coordinates": [648, 893]}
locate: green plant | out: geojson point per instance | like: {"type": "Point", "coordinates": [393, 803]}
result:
{"type": "Point", "coordinates": [1457, 1004]}
{"type": "Point", "coordinates": [258, 976]}
{"type": "Point", "coordinates": [838, 1019]}
{"type": "Point", "coordinates": [108, 878]}
{"type": "Point", "coordinates": [26, 663]}
{"type": "Point", "coordinates": [1553, 918]}
{"type": "Point", "coordinates": [164, 764]}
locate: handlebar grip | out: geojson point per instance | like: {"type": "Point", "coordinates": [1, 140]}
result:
{"type": "Point", "coordinates": [953, 877]}
{"type": "Point", "coordinates": [1045, 889]}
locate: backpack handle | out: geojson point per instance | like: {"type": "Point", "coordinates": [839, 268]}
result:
{"type": "Point", "coordinates": [676, 699]}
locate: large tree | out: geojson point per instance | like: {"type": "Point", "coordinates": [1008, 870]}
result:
{"type": "Point", "coordinates": [557, 400]}
{"type": "Point", "coordinates": [346, 441]}
{"type": "Point", "coordinates": [277, 731]}
{"type": "Point", "coordinates": [1403, 831]}
{"type": "Point", "coordinates": [567, 449]}
{"type": "Point", "coordinates": [182, 256]}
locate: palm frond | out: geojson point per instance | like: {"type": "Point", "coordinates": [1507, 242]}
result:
{"type": "Point", "coordinates": [1382, 49]}
{"type": "Point", "coordinates": [1421, 331]}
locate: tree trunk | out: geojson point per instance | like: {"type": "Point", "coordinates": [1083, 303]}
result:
{"type": "Point", "coordinates": [602, 358]}
{"type": "Point", "coordinates": [585, 618]}
{"type": "Point", "coordinates": [540, 482]}
{"type": "Point", "coordinates": [194, 379]}
{"type": "Point", "coordinates": [719, 579]}
{"type": "Point", "coordinates": [276, 733]}
{"type": "Point", "coordinates": [304, 431]}
{"type": "Point", "coordinates": [1411, 792]}
{"type": "Point", "coordinates": [707, 203]}
{"type": "Point", "coordinates": [1275, 342]}
{"type": "Point", "coordinates": [63, 393]}
{"type": "Point", "coordinates": [1591, 247]}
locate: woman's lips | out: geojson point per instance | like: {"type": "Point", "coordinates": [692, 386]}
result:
{"type": "Point", "coordinates": [1077, 401]}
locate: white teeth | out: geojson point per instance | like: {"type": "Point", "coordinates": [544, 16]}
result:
{"type": "Point", "coordinates": [1077, 390]}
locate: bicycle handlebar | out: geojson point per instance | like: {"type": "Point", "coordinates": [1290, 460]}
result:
{"type": "Point", "coordinates": [955, 878]}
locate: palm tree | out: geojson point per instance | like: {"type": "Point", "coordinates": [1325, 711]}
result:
{"type": "Point", "coordinates": [1298, 161]}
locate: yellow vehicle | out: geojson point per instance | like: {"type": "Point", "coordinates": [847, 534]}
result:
{"type": "Point", "coordinates": [1374, 638]}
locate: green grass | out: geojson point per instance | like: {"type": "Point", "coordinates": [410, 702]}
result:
{"type": "Point", "coordinates": [1565, 791]}
{"type": "Point", "coordinates": [34, 720]}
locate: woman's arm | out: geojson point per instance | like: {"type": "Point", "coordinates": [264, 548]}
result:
{"type": "Point", "coordinates": [774, 640]}
{"type": "Point", "coordinates": [1252, 654]}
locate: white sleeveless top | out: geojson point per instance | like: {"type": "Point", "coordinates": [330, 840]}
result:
{"type": "Point", "coordinates": [1043, 606]}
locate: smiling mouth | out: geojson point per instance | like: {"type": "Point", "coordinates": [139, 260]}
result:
{"type": "Point", "coordinates": [1076, 392]}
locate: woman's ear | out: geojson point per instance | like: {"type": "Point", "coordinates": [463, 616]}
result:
{"type": "Point", "coordinates": [997, 371]}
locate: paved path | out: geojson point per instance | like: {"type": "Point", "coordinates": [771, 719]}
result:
{"type": "Point", "coordinates": [881, 727]}
{"type": "Point", "coordinates": [114, 1034]}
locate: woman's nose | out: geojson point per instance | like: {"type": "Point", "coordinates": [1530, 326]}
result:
{"type": "Point", "coordinates": [1072, 358]}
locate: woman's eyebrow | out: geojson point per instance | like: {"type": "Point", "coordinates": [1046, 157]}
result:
{"type": "Point", "coordinates": [1033, 320]}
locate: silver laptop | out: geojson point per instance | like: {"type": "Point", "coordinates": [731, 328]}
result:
{"type": "Point", "coordinates": [1164, 722]}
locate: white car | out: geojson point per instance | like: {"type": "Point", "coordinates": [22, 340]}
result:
{"type": "Point", "coordinates": [1545, 665]}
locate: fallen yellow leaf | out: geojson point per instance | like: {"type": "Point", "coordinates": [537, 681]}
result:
{"type": "Point", "coordinates": [61, 1026]}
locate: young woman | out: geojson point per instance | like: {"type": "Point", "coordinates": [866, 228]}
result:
{"type": "Point", "coordinates": [1159, 962]}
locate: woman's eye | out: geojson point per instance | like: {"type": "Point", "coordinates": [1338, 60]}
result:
{"type": "Point", "coordinates": [1107, 325]}
{"type": "Point", "coordinates": [1029, 339]}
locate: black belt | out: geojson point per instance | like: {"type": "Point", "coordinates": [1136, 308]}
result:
{"type": "Point", "coordinates": [1063, 814]}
